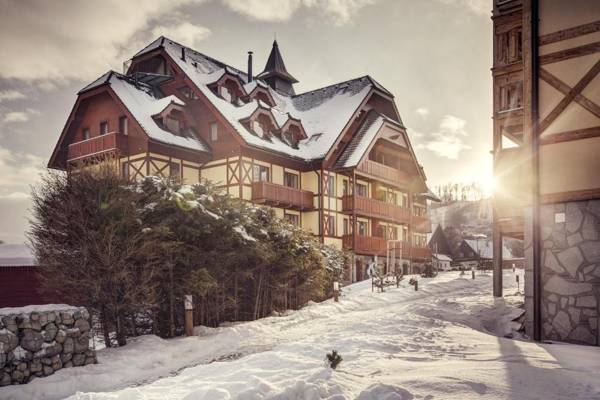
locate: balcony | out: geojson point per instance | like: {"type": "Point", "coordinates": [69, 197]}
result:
{"type": "Point", "coordinates": [382, 172]}
{"type": "Point", "coordinates": [375, 245]}
{"type": "Point", "coordinates": [282, 196]}
{"type": "Point", "coordinates": [98, 145]}
{"type": "Point", "coordinates": [373, 208]}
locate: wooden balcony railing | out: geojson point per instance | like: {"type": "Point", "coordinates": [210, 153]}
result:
{"type": "Point", "coordinates": [375, 245]}
{"type": "Point", "coordinates": [96, 146]}
{"type": "Point", "coordinates": [375, 170]}
{"type": "Point", "coordinates": [281, 196]}
{"type": "Point", "coordinates": [373, 208]}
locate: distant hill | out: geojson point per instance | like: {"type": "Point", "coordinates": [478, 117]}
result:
{"type": "Point", "coordinates": [469, 217]}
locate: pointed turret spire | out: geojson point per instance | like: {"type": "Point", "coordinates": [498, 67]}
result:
{"type": "Point", "coordinates": [275, 73]}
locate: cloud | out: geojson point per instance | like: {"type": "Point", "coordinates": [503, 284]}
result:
{"type": "Point", "coordinates": [15, 196]}
{"type": "Point", "coordinates": [478, 7]}
{"type": "Point", "coordinates": [422, 112]}
{"type": "Point", "coordinates": [10, 95]}
{"type": "Point", "coordinates": [46, 43]}
{"type": "Point", "coordinates": [19, 116]}
{"type": "Point", "coordinates": [18, 170]}
{"type": "Point", "coordinates": [185, 33]}
{"type": "Point", "coordinates": [447, 141]}
{"type": "Point", "coordinates": [339, 11]}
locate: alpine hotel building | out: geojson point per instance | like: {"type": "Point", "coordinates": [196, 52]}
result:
{"type": "Point", "coordinates": [336, 161]}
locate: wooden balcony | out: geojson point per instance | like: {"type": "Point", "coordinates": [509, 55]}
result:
{"type": "Point", "coordinates": [373, 208]}
{"type": "Point", "coordinates": [375, 245]}
{"type": "Point", "coordinates": [382, 172]}
{"type": "Point", "coordinates": [282, 196]}
{"type": "Point", "coordinates": [96, 146]}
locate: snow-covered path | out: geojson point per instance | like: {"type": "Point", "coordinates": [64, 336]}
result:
{"type": "Point", "coordinates": [436, 343]}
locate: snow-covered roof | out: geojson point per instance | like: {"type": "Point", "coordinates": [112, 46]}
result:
{"type": "Point", "coordinates": [16, 255]}
{"type": "Point", "coordinates": [361, 141]}
{"type": "Point", "coordinates": [142, 103]}
{"type": "Point", "coordinates": [442, 257]}
{"type": "Point", "coordinates": [323, 113]}
{"type": "Point", "coordinates": [486, 249]}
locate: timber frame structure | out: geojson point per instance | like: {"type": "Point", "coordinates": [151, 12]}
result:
{"type": "Point", "coordinates": [546, 73]}
{"type": "Point", "coordinates": [336, 161]}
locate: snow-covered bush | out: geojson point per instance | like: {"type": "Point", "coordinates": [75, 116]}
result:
{"type": "Point", "coordinates": [138, 248]}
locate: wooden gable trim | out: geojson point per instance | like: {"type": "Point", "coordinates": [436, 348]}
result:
{"type": "Point", "coordinates": [327, 159]}
{"type": "Point", "coordinates": [298, 123]}
{"type": "Point", "coordinates": [571, 135]}
{"type": "Point", "coordinates": [262, 90]}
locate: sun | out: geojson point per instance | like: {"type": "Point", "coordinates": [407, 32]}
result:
{"type": "Point", "coordinates": [488, 185]}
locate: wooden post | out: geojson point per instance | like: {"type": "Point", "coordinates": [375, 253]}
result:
{"type": "Point", "coordinates": [189, 315]}
{"type": "Point", "coordinates": [472, 274]}
{"type": "Point", "coordinates": [336, 291]}
{"type": "Point", "coordinates": [416, 285]}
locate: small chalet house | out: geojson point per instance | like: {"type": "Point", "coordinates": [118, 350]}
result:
{"type": "Point", "coordinates": [336, 161]}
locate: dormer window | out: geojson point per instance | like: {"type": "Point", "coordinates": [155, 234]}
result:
{"type": "Point", "coordinates": [258, 128]}
{"type": "Point", "coordinates": [288, 137]}
{"type": "Point", "coordinates": [188, 93]}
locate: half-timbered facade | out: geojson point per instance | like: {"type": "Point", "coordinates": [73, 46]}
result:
{"type": "Point", "coordinates": [336, 161]}
{"type": "Point", "coordinates": [546, 159]}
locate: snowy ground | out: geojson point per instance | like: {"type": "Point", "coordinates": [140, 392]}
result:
{"type": "Point", "coordinates": [442, 342]}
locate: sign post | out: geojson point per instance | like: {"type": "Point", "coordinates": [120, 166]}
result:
{"type": "Point", "coordinates": [189, 315]}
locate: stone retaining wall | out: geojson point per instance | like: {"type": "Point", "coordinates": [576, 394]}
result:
{"type": "Point", "coordinates": [38, 343]}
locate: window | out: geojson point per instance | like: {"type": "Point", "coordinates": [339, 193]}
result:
{"type": "Point", "coordinates": [289, 138]}
{"type": "Point", "coordinates": [103, 127]}
{"type": "Point", "coordinates": [345, 187]}
{"type": "Point", "coordinates": [361, 190]}
{"type": "Point", "coordinates": [293, 219]}
{"type": "Point", "coordinates": [346, 226]}
{"type": "Point", "coordinates": [225, 93]}
{"type": "Point", "coordinates": [86, 133]}
{"type": "Point", "coordinates": [362, 228]}
{"type": "Point", "coordinates": [214, 132]}
{"type": "Point", "coordinates": [290, 180]}
{"type": "Point", "coordinates": [172, 124]}
{"type": "Point", "coordinates": [125, 170]}
{"type": "Point", "coordinates": [174, 170]}
{"type": "Point", "coordinates": [330, 185]}
{"type": "Point", "coordinates": [392, 198]}
{"type": "Point", "coordinates": [258, 128]}
{"type": "Point", "coordinates": [260, 173]}
{"type": "Point", "coordinates": [188, 93]}
{"type": "Point", "coordinates": [123, 129]}
{"type": "Point", "coordinates": [329, 225]}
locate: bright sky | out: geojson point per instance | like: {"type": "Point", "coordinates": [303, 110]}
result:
{"type": "Point", "coordinates": [434, 55]}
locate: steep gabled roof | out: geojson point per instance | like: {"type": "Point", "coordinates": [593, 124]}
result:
{"type": "Point", "coordinates": [323, 112]}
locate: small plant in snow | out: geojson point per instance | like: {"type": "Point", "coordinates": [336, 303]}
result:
{"type": "Point", "coordinates": [333, 359]}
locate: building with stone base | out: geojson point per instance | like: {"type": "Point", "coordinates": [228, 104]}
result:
{"type": "Point", "coordinates": [546, 149]}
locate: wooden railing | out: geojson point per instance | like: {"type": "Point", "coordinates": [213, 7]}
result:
{"type": "Point", "coordinates": [281, 196]}
{"type": "Point", "coordinates": [376, 170]}
{"type": "Point", "coordinates": [96, 145]}
{"type": "Point", "coordinates": [376, 209]}
{"type": "Point", "coordinates": [377, 245]}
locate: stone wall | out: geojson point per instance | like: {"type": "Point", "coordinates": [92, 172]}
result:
{"type": "Point", "coordinates": [570, 272]}
{"type": "Point", "coordinates": [36, 343]}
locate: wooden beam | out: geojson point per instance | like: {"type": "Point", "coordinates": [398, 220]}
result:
{"type": "Point", "coordinates": [577, 89]}
{"type": "Point", "coordinates": [569, 33]}
{"type": "Point", "coordinates": [570, 53]}
{"type": "Point", "coordinates": [571, 135]}
{"type": "Point", "coordinates": [575, 195]}
{"type": "Point", "coordinates": [565, 89]}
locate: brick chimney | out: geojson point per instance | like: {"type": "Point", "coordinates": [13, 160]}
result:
{"type": "Point", "coordinates": [250, 78]}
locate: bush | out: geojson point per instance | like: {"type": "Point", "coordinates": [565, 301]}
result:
{"type": "Point", "coordinates": [128, 250]}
